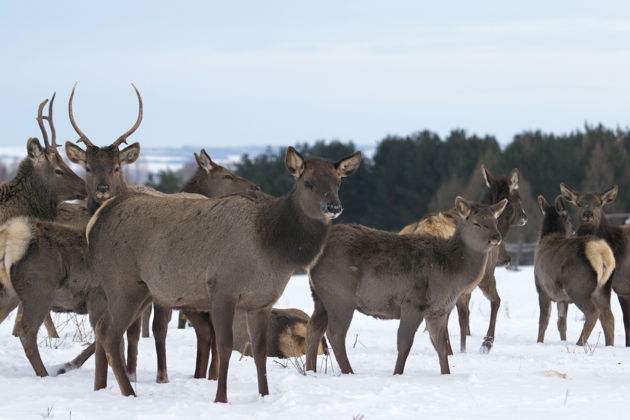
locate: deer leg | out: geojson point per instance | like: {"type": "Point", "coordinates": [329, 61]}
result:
{"type": "Point", "coordinates": [314, 333]}
{"type": "Point", "coordinates": [624, 302]}
{"type": "Point", "coordinates": [31, 320]}
{"type": "Point", "coordinates": [601, 299]}
{"type": "Point", "coordinates": [257, 322]}
{"type": "Point", "coordinates": [161, 316]}
{"type": "Point", "coordinates": [50, 327]}
{"type": "Point", "coordinates": [100, 366]}
{"type": "Point", "coordinates": [78, 361]}
{"type": "Point", "coordinates": [410, 319]}
{"type": "Point", "coordinates": [181, 321]}
{"type": "Point", "coordinates": [436, 328]}
{"type": "Point", "coordinates": [489, 288]}
{"type": "Point", "coordinates": [18, 321]}
{"type": "Point", "coordinates": [563, 308]}
{"type": "Point", "coordinates": [110, 330]}
{"type": "Point", "coordinates": [201, 324]}
{"type": "Point", "coordinates": [133, 337]}
{"type": "Point", "coordinates": [338, 324]}
{"type": "Point", "coordinates": [545, 312]}
{"type": "Point", "coordinates": [146, 318]}
{"type": "Point", "coordinates": [9, 303]}
{"type": "Point", "coordinates": [463, 313]}
{"type": "Point", "coordinates": [591, 314]}
{"type": "Point", "coordinates": [222, 318]}
{"type": "Point", "coordinates": [213, 370]}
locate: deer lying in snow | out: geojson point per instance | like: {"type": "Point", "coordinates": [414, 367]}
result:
{"type": "Point", "coordinates": [443, 225]}
{"type": "Point", "coordinates": [392, 276]}
{"type": "Point", "coordinates": [42, 182]}
{"type": "Point", "coordinates": [572, 270]}
{"type": "Point", "coordinates": [593, 221]}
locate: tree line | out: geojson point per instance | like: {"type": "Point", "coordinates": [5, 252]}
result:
{"type": "Point", "coordinates": [410, 176]}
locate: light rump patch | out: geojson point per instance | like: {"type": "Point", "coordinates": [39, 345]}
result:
{"type": "Point", "coordinates": [602, 259]}
{"type": "Point", "coordinates": [15, 237]}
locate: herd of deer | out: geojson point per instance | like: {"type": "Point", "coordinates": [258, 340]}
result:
{"type": "Point", "coordinates": [222, 251]}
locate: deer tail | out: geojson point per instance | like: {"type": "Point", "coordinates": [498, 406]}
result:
{"type": "Point", "coordinates": [602, 259]}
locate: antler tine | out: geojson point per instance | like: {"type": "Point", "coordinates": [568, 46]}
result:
{"type": "Point", "coordinates": [123, 138]}
{"type": "Point", "coordinates": [82, 137]}
{"type": "Point", "coordinates": [49, 118]}
{"type": "Point", "coordinates": [40, 122]}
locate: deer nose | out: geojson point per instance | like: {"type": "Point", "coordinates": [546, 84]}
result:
{"type": "Point", "coordinates": [495, 239]}
{"type": "Point", "coordinates": [588, 214]}
{"type": "Point", "coordinates": [102, 188]}
{"type": "Point", "coordinates": [333, 209]}
{"type": "Point", "coordinates": [523, 219]}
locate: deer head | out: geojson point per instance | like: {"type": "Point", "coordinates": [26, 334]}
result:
{"type": "Point", "coordinates": [48, 167]}
{"type": "Point", "coordinates": [590, 205]}
{"type": "Point", "coordinates": [213, 180]}
{"type": "Point", "coordinates": [317, 182]}
{"type": "Point", "coordinates": [506, 187]}
{"type": "Point", "coordinates": [103, 165]}
{"type": "Point", "coordinates": [478, 224]}
{"type": "Point", "coordinates": [556, 218]}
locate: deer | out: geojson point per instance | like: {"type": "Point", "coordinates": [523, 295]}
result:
{"type": "Point", "coordinates": [391, 276]}
{"type": "Point", "coordinates": [572, 270]}
{"type": "Point", "coordinates": [43, 181]}
{"type": "Point", "coordinates": [286, 334]}
{"type": "Point", "coordinates": [443, 224]}
{"type": "Point", "coordinates": [593, 221]}
{"type": "Point", "coordinates": [233, 252]}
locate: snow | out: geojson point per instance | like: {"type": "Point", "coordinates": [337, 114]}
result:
{"type": "Point", "coordinates": [510, 382]}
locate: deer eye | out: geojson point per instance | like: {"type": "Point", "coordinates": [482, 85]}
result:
{"type": "Point", "coordinates": [476, 224]}
{"type": "Point", "coordinates": [59, 171]}
{"type": "Point", "coordinates": [308, 185]}
{"type": "Point", "coordinates": [230, 177]}
{"type": "Point", "coordinates": [117, 169]}
{"type": "Point", "coordinates": [87, 169]}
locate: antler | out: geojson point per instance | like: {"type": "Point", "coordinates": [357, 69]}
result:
{"type": "Point", "coordinates": [123, 138]}
{"type": "Point", "coordinates": [49, 118]}
{"type": "Point", "coordinates": [82, 137]}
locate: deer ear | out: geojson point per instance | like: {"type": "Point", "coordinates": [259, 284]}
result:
{"type": "Point", "coordinates": [348, 165]}
{"type": "Point", "coordinates": [130, 154]}
{"type": "Point", "coordinates": [76, 154]}
{"type": "Point", "coordinates": [514, 180]}
{"type": "Point", "coordinates": [487, 176]}
{"type": "Point", "coordinates": [560, 206]}
{"type": "Point", "coordinates": [35, 150]}
{"type": "Point", "coordinates": [570, 195]}
{"type": "Point", "coordinates": [294, 162]}
{"type": "Point", "coordinates": [498, 208]}
{"type": "Point", "coordinates": [543, 205]}
{"type": "Point", "coordinates": [610, 195]}
{"type": "Point", "coordinates": [462, 206]}
{"type": "Point", "coordinates": [204, 161]}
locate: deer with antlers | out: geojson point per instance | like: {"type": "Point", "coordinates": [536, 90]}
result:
{"type": "Point", "coordinates": [43, 180]}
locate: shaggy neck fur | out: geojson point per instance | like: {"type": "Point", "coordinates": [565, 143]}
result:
{"type": "Point", "coordinates": [552, 223]}
{"type": "Point", "coordinates": [289, 233]}
{"type": "Point", "coordinates": [30, 193]}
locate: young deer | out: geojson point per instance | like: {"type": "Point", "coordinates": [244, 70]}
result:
{"type": "Point", "coordinates": [572, 270]}
{"type": "Point", "coordinates": [443, 225]}
{"type": "Point", "coordinates": [593, 221]}
{"type": "Point", "coordinates": [235, 251]}
{"type": "Point", "coordinates": [392, 276]}
{"type": "Point", "coordinates": [43, 180]}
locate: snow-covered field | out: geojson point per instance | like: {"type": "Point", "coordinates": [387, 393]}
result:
{"type": "Point", "coordinates": [510, 382]}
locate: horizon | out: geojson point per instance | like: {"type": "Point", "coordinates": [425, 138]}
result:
{"type": "Point", "coordinates": [248, 74]}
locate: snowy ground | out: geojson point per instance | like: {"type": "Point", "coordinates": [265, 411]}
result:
{"type": "Point", "coordinates": [510, 382]}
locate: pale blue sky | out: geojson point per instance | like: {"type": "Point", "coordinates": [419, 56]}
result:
{"type": "Point", "coordinates": [277, 72]}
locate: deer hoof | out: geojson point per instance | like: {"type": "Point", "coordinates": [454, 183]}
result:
{"type": "Point", "coordinates": [132, 377]}
{"type": "Point", "coordinates": [486, 346]}
{"type": "Point", "coordinates": [161, 379]}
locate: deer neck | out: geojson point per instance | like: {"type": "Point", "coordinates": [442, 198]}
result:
{"type": "Point", "coordinates": [39, 200]}
{"type": "Point", "coordinates": [290, 234]}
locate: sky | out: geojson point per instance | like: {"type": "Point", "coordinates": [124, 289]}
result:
{"type": "Point", "coordinates": [243, 73]}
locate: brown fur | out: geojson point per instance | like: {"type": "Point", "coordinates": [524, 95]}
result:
{"type": "Point", "coordinates": [235, 251]}
{"type": "Point", "coordinates": [572, 270]}
{"type": "Point", "coordinates": [443, 223]}
{"type": "Point", "coordinates": [392, 276]}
